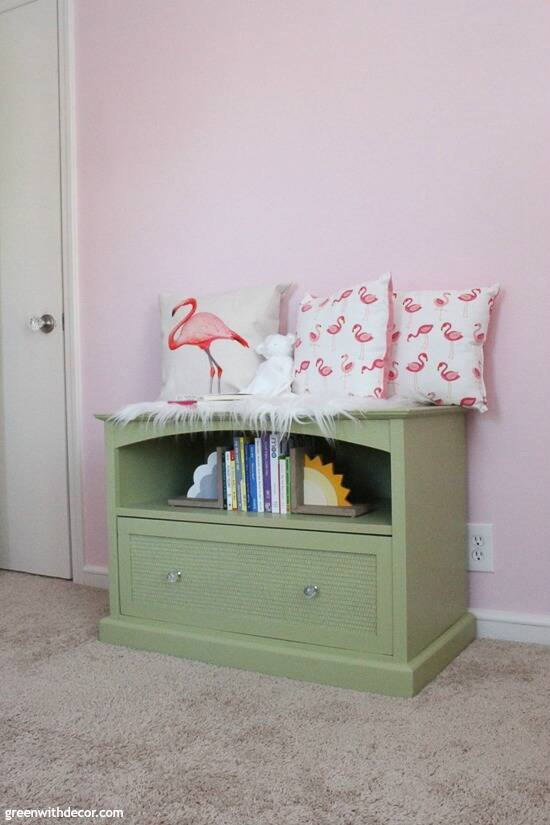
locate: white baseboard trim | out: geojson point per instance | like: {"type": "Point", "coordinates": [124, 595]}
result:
{"type": "Point", "coordinates": [95, 576]}
{"type": "Point", "coordinates": [513, 627]}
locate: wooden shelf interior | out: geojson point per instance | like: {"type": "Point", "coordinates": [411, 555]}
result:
{"type": "Point", "coordinates": [152, 471]}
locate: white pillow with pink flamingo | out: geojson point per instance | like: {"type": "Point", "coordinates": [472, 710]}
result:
{"type": "Point", "coordinates": [208, 342]}
{"type": "Point", "coordinates": [438, 342]}
{"type": "Point", "coordinates": [342, 341]}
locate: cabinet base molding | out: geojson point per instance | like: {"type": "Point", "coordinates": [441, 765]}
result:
{"type": "Point", "coordinates": [309, 663]}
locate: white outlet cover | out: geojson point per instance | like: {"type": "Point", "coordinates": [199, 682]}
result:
{"type": "Point", "coordinates": [480, 548]}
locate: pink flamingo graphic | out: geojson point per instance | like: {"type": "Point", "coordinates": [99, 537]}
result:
{"type": "Point", "coordinates": [201, 329]}
{"type": "Point", "coordinates": [435, 400]}
{"type": "Point", "coordinates": [297, 343]}
{"type": "Point", "coordinates": [477, 372]}
{"type": "Point", "coordinates": [417, 366]}
{"type": "Point", "coordinates": [468, 297]}
{"type": "Point", "coordinates": [345, 294]}
{"type": "Point", "coordinates": [315, 334]}
{"type": "Point", "coordinates": [378, 392]}
{"type": "Point", "coordinates": [423, 329]}
{"type": "Point", "coordinates": [452, 335]}
{"type": "Point", "coordinates": [304, 366]}
{"type": "Point", "coordinates": [468, 401]}
{"type": "Point", "coordinates": [441, 302]}
{"type": "Point", "coordinates": [410, 307]}
{"type": "Point", "coordinates": [323, 369]}
{"type": "Point", "coordinates": [306, 307]}
{"type": "Point", "coordinates": [323, 303]}
{"type": "Point", "coordinates": [396, 334]}
{"type": "Point", "coordinates": [362, 337]}
{"type": "Point", "coordinates": [448, 375]}
{"type": "Point", "coordinates": [334, 329]}
{"type": "Point", "coordinates": [393, 372]}
{"type": "Point", "coordinates": [491, 303]}
{"type": "Point", "coordinates": [479, 335]}
{"type": "Point", "coordinates": [367, 299]}
{"type": "Point", "coordinates": [346, 366]}
{"type": "Point", "coordinates": [377, 364]}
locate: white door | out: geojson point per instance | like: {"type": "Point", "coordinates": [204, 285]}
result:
{"type": "Point", "coordinates": [34, 519]}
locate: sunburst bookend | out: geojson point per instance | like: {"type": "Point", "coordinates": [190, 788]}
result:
{"type": "Point", "coordinates": [376, 603]}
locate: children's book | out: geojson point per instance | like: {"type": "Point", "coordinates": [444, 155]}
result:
{"type": "Point", "coordinates": [259, 474]}
{"type": "Point", "coordinates": [274, 445]}
{"type": "Point", "coordinates": [266, 472]}
{"type": "Point", "coordinates": [251, 480]}
{"type": "Point", "coordinates": [283, 501]}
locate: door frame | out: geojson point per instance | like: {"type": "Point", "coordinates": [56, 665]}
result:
{"type": "Point", "coordinates": [81, 573]}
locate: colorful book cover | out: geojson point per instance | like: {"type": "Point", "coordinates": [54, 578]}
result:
{"type": "Point", "coordinates": [266, 472]}
{"type": "Point", "coordinates": [228, 481]}
{"type": "Point", "coordinates": [242, 461]}
{"type": "Point", "coordinates": [274, 465]}
{"type": "Point", "coordinates": [259, 474]}
{"type": "Point", "coordinates": [251, 479]}
{"type": "Point", "coordinates": [283, 507]}
{"type": "Point", "coordinates": [234, 505]}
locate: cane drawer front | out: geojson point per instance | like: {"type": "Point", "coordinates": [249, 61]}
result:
{"type": "Point", "coordinates": [252, 581]}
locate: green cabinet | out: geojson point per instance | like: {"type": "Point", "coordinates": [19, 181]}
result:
{"type": "Point", "coordinates": [375, 603]}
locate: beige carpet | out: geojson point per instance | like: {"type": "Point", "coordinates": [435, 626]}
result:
{"type": "Point", "coordinates": [173, 741]}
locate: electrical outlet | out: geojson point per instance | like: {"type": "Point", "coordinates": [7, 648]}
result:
{"type": "Point", "coordinates": [480, 548]}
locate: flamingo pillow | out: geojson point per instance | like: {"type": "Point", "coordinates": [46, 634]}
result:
{"type": "Point", "coordinates": [438, 342]}
{"type": "Point", "coordinates": [342, 341]}
{"type": "Point", "coordinates": [208, 342]}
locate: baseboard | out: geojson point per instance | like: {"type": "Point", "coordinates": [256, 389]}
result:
{"type": "Point", "coordinates": [513, 627]}
{"type": "Point", "coordinates": [95, 576]}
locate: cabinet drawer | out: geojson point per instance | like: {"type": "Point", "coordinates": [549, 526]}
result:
{"type": "Point", "coordinates": [251, 580]}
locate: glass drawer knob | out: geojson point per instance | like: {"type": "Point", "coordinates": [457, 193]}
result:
{"type": "Point", "coordinates": [310, 591]}
{"type": "Point", "coordinates": [173, 576]}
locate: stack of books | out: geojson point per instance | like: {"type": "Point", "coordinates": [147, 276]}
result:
{"type": "Point", "coordinates": [256, 475]}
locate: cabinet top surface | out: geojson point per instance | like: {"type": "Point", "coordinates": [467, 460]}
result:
{"type": "Point", "coordinates": [360, 415]}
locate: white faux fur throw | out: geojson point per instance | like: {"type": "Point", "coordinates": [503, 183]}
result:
{"type": "Point", "coordinates": [262, 414]}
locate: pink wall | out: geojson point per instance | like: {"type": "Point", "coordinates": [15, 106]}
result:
{"type": "Point", "coordinates": [236, 142]}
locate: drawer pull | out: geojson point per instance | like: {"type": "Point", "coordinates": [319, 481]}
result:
{"type": "Point", "coordinates": [310, 591]}
{"type": "Point", "coordinates": [173, 576]}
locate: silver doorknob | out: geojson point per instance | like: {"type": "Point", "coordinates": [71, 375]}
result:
{"type": "Point", "coordinates": [310, 591]}
{"type": "Point", "coordinates": [42, 323]}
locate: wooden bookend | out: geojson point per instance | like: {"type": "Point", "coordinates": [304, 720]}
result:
{"type": "Point", "coordinates": [297, 455]}
{"type": "Point", "coordinates": [213, 503]}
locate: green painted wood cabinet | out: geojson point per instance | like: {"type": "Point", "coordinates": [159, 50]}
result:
{"type": "Point", "coordinates": [228, 588]}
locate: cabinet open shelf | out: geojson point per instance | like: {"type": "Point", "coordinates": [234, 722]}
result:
{"type": "Point", "coordinates": [153, 471]}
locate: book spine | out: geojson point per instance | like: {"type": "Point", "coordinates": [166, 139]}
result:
{"type": "Point", "coordinates": [274, 466]}
{"type": "Point", "coordinates": [233, 482]}
{"type": "Point", "coordinates": [288, 498]}
{"type": "Point", "coordinates": [228, 484]}
{"type": "Point", "coordinates": [238, 472]}
{"type": "Point", "coordinates": [251, 480]}
{"type": "Point", "coordinates": [247, 475]}
{"type": "Point", "coordinates": [283, 508]}
{"type": "Point", "coordinates": [224, 482]}
{"type": "Point", "coordinates": [244, 491]}
{"type": "Point", "coordinates": [259, 474]}
{"type": "Point", "coordinates": [266, 473]}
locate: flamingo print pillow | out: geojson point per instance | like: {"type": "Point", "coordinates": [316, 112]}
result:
{"type": "Point", "coordinates": [438, 342]}
{"type": "Point", "coordinates": [208, 342]}
{"type": "Point", "coordinates": [342, 341]}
